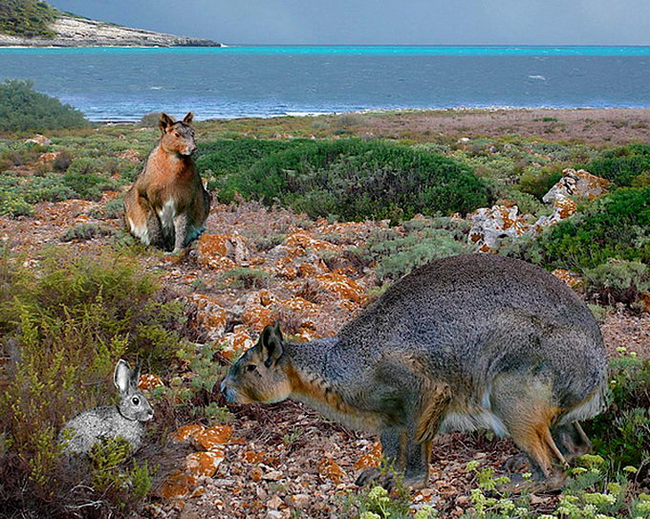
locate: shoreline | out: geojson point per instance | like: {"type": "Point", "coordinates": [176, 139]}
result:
{"type": "Point", "coordinates": [380, 112]}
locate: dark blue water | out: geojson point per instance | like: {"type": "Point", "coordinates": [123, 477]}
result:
{"type": "Point", "coordinates": [125, 83]}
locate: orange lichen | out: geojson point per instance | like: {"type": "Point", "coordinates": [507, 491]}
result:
{"type": "Point", "coordinates": [214, 437]}
{"type": "Point", "coordinates": [329, 469]}
{"type": "Point", "coordinates": [149, 381]}
{"type": "Point", "coordinates": [204, 463]}
{"type": "Point", "coordinates": [186, 432]}
{"type": "Point", "coordinates": [345, 287]}
{"type": "Point", "coordinates": [177, 485]}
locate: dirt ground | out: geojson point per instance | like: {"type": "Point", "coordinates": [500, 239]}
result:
{"type": "Point", "coordinates": [589, 125]}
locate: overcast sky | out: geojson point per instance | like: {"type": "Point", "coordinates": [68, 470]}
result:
{"type": "Point", "coordinates": [424, 22]}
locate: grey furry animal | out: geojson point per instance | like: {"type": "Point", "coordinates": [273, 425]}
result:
{"type": "Point", "coordinates": [125, 420]}
{"type": "Point", "coordinates": [466, 342]}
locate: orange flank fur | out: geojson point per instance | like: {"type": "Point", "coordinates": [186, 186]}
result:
{"type": "Point", "coordinates": [314, 390]}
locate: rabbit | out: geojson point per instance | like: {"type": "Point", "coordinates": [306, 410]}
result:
{"type": "Point", "coordinates": [125, 420]}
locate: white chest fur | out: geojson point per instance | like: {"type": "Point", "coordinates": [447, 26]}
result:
{"type": "Point", "coordinates": [167, 213]}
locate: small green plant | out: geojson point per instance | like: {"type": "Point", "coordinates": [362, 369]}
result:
{"type": "Point", "coordinates": [86, 231]}
{"type": "Point", "coordinates": [423, 240]}
{"type": "Point", "coordinates": [244, 277]}
{"type": "Point", "coordinates": [112, 477]}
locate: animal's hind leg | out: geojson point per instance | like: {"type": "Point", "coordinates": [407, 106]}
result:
{"type": "Point", "coordinates": [571, 440]}
{"type": "Point", "coordinates": [528, 419]}
{"type": "Point", "coordinates": [142, 220]}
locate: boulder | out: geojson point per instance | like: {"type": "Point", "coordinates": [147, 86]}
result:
{"type": "Point", "coordinates": [579, 184]}
{"type": "Point", "coordinates": [489, 224]}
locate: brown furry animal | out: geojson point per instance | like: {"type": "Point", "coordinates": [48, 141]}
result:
{"type": "Point", "coordinates": [167, 205]}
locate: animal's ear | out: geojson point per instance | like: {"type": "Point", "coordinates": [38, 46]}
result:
{"type": "Point", "coordinates": [122, 376]}
{"type": "Point", "coordinates": [188, 118]}
{"type": "Point", "coordinates": [135, 376]}
{"type": "Point", "coordinates": [165, 122]}
{"type": "Point", "coordinates": [271, 341]}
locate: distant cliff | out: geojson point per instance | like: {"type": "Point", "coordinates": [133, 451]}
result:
{"type": "Point", "coordinates": [32, 23]}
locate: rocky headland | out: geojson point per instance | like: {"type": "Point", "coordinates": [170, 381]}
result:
{"type": "Point", "coordinates": [70, 31]}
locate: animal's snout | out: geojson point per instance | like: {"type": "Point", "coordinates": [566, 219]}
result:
{"type": "Point", "coordinates": [189, 150]}
{"type": "Point", "coordinates": [228, 392]}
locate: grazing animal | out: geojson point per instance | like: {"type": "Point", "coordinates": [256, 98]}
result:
{"type": "Point", "coordinates": [125, 420]}
{"type": "Point", "coordinates": [466, 342]}
{"type": "Point", "coordinates": [167, 205]}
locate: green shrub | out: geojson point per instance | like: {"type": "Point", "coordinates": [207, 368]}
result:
{"type": "Point", "coordinates": [244, 277]}
{"type": "Point", "coordinates": [24, 109]}
{"type": "Point", "coordinates": [616, 225]}
{"type": "Point", "coordinates": [111, 210]}
{"type": "Point", "coordinates": [227, 157]}
{"type": "Point", "coordinates": [396, 254]}
{"type": "Point", "coordinates": [149, 120]}
{"type": "Point", "coordinates": [620, 434]}
{"type": "Point", "coordinates": [86, 231]}
{"type": "Point", "coordinates": [622, 165]}
{"type": "Point", "coordinates": [65, 323]}
{"type": "Point", "coordinates": [355, 180]}
{"type": "Point", "coordinates": [540, 183]}
{"type": "Point", "coordinates": [27, 18]}
{"type": "Point", "coordinates": [617, 281]}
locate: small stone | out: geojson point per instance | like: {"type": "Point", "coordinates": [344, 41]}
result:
{"type": "Point", "coordinates": [273, 475]}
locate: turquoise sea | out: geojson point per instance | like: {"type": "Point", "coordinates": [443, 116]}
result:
{"type": "Point", "coordinates": [116, 84]}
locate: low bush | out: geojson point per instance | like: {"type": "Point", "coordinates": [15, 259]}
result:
{"type": "Point", "coordinates": [620, 434]}
{"type": "Point", "coordinates": [227, 157]}
{"type": "Point", "coordinates": [622, 165]}
{"type": "Point", "coordinates": [65, 323]}
{"type": "Point", "coordinates": [422, 240]}
{"type": "Point", "coordinates": [617, 282]}
{"type": "Point", "coordinates": [86, 231]}
{"type": "Point", "coordinates": [24, 109]}
{"type": "Point", "coordinates": [616, 225]}
{"type": "Point", "coordinates": [244, 277]}
{"type": "Point", "coordinates": [538, 184]}
{"type": "Point", "coordinates": [356, 180]}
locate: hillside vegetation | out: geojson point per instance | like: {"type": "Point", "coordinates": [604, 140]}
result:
{"type": "Point", "coordinates": [27, 18]}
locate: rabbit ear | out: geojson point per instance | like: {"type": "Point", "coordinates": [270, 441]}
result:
{"type": "Point", "coordinates": [135, 375]}
{"type": "Point", "coordinates": [122, 375]}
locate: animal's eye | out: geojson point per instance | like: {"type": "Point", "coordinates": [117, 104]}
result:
{"type": "Point", "coordinates": [177, 134]}
{"type": "Point", "coordinates": [251, 367]}
{"type": "Point", "coordinates": [135, 400]}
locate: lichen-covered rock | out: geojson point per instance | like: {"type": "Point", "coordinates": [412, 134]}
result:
{"type": "Point", "coordinates": [222, 251]}
{"type": "Point", "coordinates": [568, 277]}
{"type": "Point", "coordinates": [205, 463]}
{"type": "Point", "coordinates": [329, 469]}
{"type": "Point", "coordinates": [48, 157]}
{"type": "Point", "coordinates": [214, 437]}
{"type": "Point", "coordinates": [39, 139]}
{"type": "Point", "coordinates": [211, 315]}
{"type": "Point", "coordinates": [237, 342]}
{"type": "Point", "coordinates": [257, 316]}
{"type": "Point", "coordinates": [343, 286]}
{"type": "Point", "coordinates": [489, 224]}
{"type": "Point", "coordinates": [187, 432]}
{"type": "Point", "coordinates": [177, 486]}
{"type": "Point", "coordinates": [579, 184]}
{"type": "Point", "coordinates": [130, 155]}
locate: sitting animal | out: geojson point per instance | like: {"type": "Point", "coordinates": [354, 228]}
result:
{"type": "Point", "coordinates": [125, 420]}
{"type": "Point", "coordinates": [465, 342]}
{"type": "Point", "coordinates": [167, 205]}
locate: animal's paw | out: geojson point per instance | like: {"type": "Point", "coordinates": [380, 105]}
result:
{"type": "Point", "coordinates": [375, 476]}
{"type": "Point", "coordinates": [517, 463]}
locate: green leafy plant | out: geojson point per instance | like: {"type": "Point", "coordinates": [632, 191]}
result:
{"type": "Point", "coordinates": [622, 165]}
{"type": "Point", "coordinates": [24, 109]}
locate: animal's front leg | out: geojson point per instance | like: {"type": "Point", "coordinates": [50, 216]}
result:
{"type": "Point", "coordinates": [392, 444]}
{"type": "Point", "coordinates": [180, 232]}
